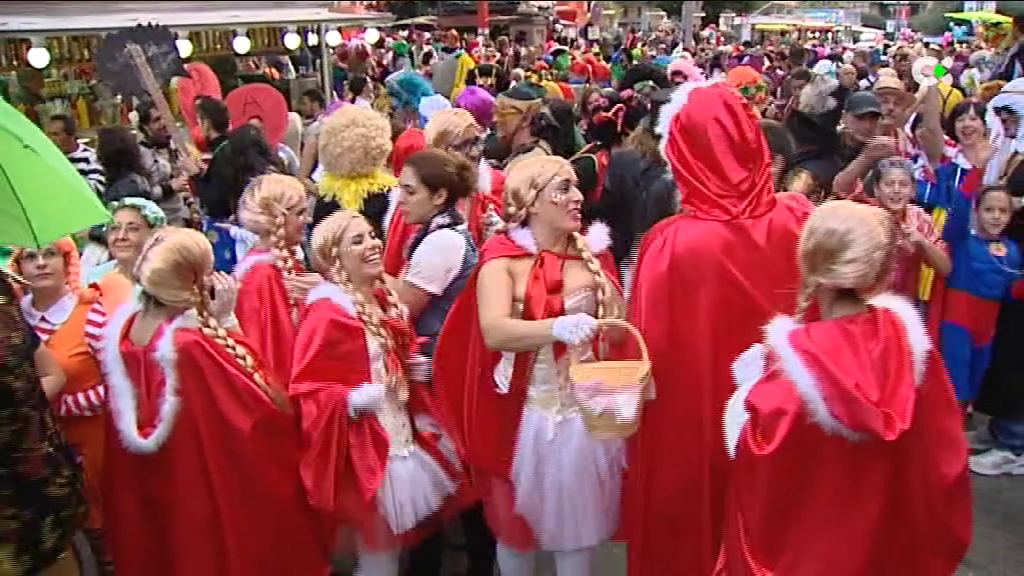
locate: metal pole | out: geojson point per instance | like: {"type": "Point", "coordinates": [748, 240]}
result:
{"type": "Point", "coordinates": [326, 65]}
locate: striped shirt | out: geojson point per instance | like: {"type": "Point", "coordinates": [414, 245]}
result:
{"type": "Point", "coordinates": [88, 402]}
{"type": "Point", "coordinates": [88, 165]}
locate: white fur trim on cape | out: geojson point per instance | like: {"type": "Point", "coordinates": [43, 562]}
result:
{"type": "Point", "coordinates": [484, 177]}
{"type": "Point", "coordinates": [121, 390]}
{"type": "Point", "coordinates": [668, 111]}
{"type": "Point", "coordinates": [747, 370]}
{"type": "Point", "coordinates": [777, 334]}
{"type": "Point", "coordinates": [327, 291]}
{"type": "Point", "coordinates": [598, 236]}
{"type": "Point", "coordinates": [917, 333]}
{"type": "Point", "coordinates": [251, 260]}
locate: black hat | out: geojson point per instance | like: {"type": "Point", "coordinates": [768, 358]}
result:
{"type": "Point", "coordinates": [863, 102]}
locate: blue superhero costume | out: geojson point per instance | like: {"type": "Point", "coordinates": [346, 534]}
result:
{"type": "Point", "coordinates": [983, 275]}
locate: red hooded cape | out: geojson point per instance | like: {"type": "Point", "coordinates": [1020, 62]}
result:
{"type": "Point", "coordinates": [345, 458]}
{"type": "Point", "coordinates": [486, 421]}
{"type": "Point", "coordinates": [205, 483]}
{"type": "Point", "coordinates": [707, 280]}
{"type": "Point", "coordinates": [850, 458]}
{"type": "Point", "coordinates": [265, 313]}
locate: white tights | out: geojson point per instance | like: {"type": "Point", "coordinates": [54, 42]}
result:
{"type": "Point", "coordinates": [379, 563]}
{"type": "Point", "coordinates": [512, 562]}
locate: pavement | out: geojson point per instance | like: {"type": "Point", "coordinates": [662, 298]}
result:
{"type": "Point", "coordinates": [997, 549]}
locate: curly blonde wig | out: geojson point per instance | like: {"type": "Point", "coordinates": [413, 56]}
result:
{"type": "Point", "coordinates": [354, 141]}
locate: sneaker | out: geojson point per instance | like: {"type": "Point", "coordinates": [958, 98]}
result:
{"type": "Point", "coordinates": [997, 462]}
{"type": "Point", "coordinates": [980, 440]}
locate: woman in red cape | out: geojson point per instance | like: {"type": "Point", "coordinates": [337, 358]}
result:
{"type": "Point", "coordinates": [849, 457]}
{"type": "Point", "coordinates": [455, 131]}
{"type": "Point", "coordinates": [202, 450]}
{"type": "Point", "coordinates": [500, 366]}
{"type": "Point", "coordinates": [272, 282]}
{"type": "Point", "coordinates": [378, 462]}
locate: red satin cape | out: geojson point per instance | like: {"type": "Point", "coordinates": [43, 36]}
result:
{"type": "Point", "coordinates": [804, 502]}
{"type": "Point", "coordinates": [703, 290]}
{"type": "Point", "coordinates": [487, 421]}
{"type": "Point", "coordinates": [265, 317]}
{"type": "Point", "coordinates": [345, 458]}
{"type": "Point", "coordinates": [222, 496]}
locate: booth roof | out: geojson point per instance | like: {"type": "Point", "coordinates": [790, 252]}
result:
{"type": "Point", "coordinates": [41, 17]}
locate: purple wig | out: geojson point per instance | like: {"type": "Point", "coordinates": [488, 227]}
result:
{"type": "Point", "coordinates": [479, 103]}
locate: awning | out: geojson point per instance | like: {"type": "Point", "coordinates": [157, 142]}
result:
{"type": "Point", "coordinates": [40, 18]}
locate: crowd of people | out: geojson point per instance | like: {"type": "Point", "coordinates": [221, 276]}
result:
{"type": "Point", "coordinates": [355, 340]}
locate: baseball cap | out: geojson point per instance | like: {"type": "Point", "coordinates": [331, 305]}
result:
{"type": "Point", "coordinates": [863, 102]}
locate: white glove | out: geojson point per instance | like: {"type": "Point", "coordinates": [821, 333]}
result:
{"type": "Point", "coordinates": [574, 329]}
{"type": "Point", "coordinates": [420, 368]}
{"type": "Point", "coordinates": [366, 398]}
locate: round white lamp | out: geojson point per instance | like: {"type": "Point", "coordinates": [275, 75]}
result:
{"type": "Point", "coordinates": [332, 38]}
{"type": "Point", "coordinates": [184, 46]}
{"type": "Point", "coordinates": [38, 57]}
{"type": "Point", "coordinates": [371, 35]}
{"type": "Point", "coordinates": [312, 39]}
{"type": "Point", "coordinates": [291, 40]}
{"type": "Point", "coordinates": [241, 44]}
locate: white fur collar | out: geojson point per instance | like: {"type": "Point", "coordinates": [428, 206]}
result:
{"type": "Point", "coordinates": [484, 178]}
{"type": "Point", "coordinates": [122, 395]}
{"type": "Point", "coordinates": [327, 291]}
{"type": "Point", "coordinates": [598, 236]}
{"type": "Point", "coordinates": [251, 260]}
{"type": "Point", "coordinates": [777, 334]}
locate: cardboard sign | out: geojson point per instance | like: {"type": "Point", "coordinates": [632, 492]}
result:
{"type": "Point", "coordinates": [117, 70]}
{"type": "Point", "coordinates": [261, 102]}
{"type": "Point", "coordinates": [201, 81]}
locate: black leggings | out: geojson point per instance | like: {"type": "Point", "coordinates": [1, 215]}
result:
{"type": "Point", "coordinates": [426, 558]}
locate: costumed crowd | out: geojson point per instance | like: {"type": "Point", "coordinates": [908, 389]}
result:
{"type": "Point", "coordinates": [741, 308]}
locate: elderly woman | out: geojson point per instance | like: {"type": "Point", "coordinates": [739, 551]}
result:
{"type": "Point", "coordinates": [134, 220]}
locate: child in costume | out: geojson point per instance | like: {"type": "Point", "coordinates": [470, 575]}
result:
{"type": "Point", "coordinates": [854, 402]}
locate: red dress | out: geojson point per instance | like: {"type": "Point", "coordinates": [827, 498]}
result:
{"type": "Point", "coordinates": [850, 458]}
{"type": "Point", "coordinates": [389, 476]}
{"type": "Point", "coordinates": [707, 280]}
{"type": "Point", "coordinates": [265, 313]}
{"type": "Point", "coordinates": [201, 465]}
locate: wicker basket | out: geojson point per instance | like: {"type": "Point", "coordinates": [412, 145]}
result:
{"type": "Point", "coordinates": [614, 376]}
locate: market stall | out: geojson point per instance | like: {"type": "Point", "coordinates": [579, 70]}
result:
{"type": "Point", "coordinates": [47, 49]}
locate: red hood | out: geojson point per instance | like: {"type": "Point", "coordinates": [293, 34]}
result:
{"type": "Point", "coordinates": [409, 142]}
{"type": "Point", "coordinates": [858, 375]}
{"type": "Point", "coordinates": [718, 154]}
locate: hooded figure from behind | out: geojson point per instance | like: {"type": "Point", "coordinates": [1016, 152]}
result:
{"type": "Point", "coordinates": [707, 280]}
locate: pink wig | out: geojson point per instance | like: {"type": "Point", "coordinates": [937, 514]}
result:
{"type": "Point", "coordinates": [691, 72]}
{"type": "Point", "coordinates": [479, 103]}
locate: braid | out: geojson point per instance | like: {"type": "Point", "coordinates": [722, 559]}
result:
{"type": "Point", "coordinates": [211, 328]}
{"type": "Point", "coordinates": [606, 305]}
{"type": "Point", "coordinates": [284, 257]}
{"type": "Point", "coordinates": [806, 296]}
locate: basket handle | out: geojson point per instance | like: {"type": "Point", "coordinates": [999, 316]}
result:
{"type": "Point", "coordinates": [616, 323]}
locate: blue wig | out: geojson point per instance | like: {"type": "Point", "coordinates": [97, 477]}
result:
{"type": "Point", "coordinates": [406, 88]}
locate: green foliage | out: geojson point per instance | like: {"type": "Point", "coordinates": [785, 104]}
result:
{"type": "Point", "coordinates": [872, 20]}
{"type": "Point", "coordinates": [406, 10]}
{"type": "Point", "coordinates": [1011, 8]}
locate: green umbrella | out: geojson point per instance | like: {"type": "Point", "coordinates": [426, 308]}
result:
{"type": "Point", "coordinates": [42, 196]}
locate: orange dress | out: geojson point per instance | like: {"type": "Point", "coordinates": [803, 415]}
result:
{"type": "Point", "coordinates": [115, 290]}
{"type": "Point", "coordinates": [81, 403]}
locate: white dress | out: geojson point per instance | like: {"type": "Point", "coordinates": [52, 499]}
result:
{"type": "Point", "coordinates": [567, 483]}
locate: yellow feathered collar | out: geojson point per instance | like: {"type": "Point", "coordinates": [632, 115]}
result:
{"type": "Point", "coordinates": [351, 191]}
